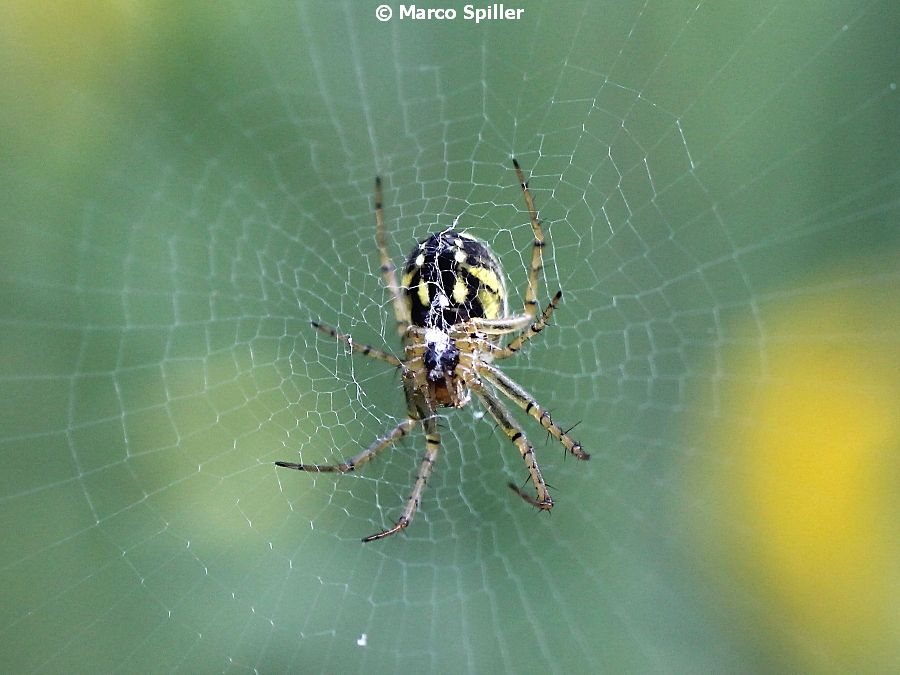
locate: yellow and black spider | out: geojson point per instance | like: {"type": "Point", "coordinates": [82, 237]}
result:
{"type": "Point", "coordinates": [451, 312]}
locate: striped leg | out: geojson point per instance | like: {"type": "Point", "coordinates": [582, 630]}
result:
{"type": "Point", "coordinates": [533, 330]}
{"type": "Point", "coordinates": [388, 271]}
{"type": "Point", "coordinates": [537, 250]}
{"type": "Point", "coordinates": [432, 445]}
{"type": "Point", "coordinates": [509, 426]}
{"type": "Point", "coordinates": [524, 400]}
{"type": "Point", "coordinates": [502, 326]}
{"type": "Point", "coordinates": [357, 461]}
{"type": "Point", "coordinates": [366, 350]}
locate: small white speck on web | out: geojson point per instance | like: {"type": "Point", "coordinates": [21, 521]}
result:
{"type": "Point", "coordinates": [361, 640]}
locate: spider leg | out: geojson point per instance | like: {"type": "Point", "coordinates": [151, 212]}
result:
{"type": "Point", "coordinates": [432, 445]}
{"type": "Point", "coordinates": [515, 393]}
{"type": "Point", "coordinates": [358, 460]}
{"type": "Point", "coordinates": [499, 326]}
{"type": "Point", "coordinates": [533, 330]}
{"type": "Point", "coordinates": [366, 350]}
{"type": "Point", "coordinates": [537, 250]}
{"type": "Point", "coordinates": [388, 270]}
{"type": "Point", "coordinates": [512, 430]}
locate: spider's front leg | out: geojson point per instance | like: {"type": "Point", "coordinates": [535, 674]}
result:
{"type": "Point", "coordinates": [358, 460]}
{"type": "Point", "coordinates": [512, 430]}
{"type": "Point", "coordinates": [432, 445]}
{"type": "Point", "coordinates": [515, 393]}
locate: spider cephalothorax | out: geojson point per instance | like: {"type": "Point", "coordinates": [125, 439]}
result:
{"type": "Point", "coordinates": [441, 356]}
{"type": "Point", "coordinates": [451, 312]}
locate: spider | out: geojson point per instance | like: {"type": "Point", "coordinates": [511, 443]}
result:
{"type": "Point", "coordinates": [451, 313]}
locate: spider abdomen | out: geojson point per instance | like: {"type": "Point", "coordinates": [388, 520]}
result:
{"type": "Point", "coordinates": [452, 277]}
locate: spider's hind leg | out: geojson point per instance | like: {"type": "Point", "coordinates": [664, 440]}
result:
{"type": "Point", "coordinates": [537, 249]}
{"type": "Point", "coordinates": [388, 270]}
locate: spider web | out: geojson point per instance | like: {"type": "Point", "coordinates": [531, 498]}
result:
{"type": "Point", "coordinates": [719, 190]}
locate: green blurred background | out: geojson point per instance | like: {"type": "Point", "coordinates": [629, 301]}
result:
{"type": "Point", "coordinates": [185, 186]}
